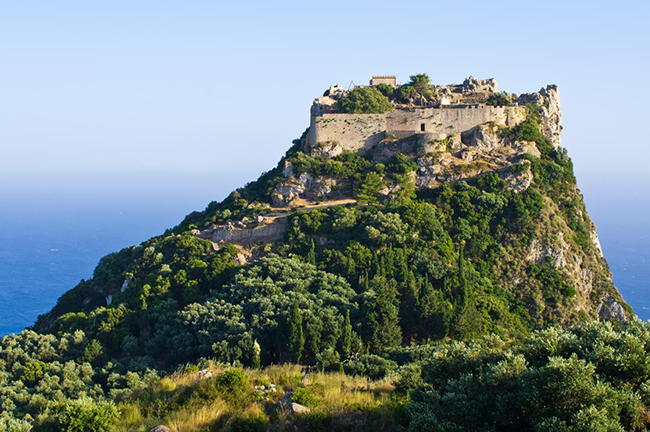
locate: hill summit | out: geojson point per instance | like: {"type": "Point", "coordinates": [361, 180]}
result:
{"type": "Point", "coordinates": [404, 217]}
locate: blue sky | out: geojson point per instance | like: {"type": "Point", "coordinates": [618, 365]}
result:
{"type": "Point", "coordinates": [198, 86]}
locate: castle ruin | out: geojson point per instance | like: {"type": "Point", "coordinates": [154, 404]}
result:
{"type": "Point", "coordinates": [455, 110]}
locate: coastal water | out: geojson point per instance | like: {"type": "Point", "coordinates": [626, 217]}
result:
{"type": "Point", "coordinates": [54, 229]}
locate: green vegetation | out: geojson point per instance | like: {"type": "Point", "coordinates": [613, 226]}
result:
{"type": "Point", "coordinates": [418, 90]}
{"type": "Point", "coordinates": [386, 89]}
{"type": "Point", "coordinates": [422, 309]}
{"type": "Point", "coordinates": [499, 99]}
{"type": "Point", "coordinates": [364, 100]}
{"type": "Point", "coordinates": [589, 377]}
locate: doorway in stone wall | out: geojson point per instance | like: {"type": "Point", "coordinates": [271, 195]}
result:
{"type": "Point", "coordinates": [422, 127]}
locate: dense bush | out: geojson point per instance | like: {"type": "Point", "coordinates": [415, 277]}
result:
{"type": "Point", "coordinates": [85, 415]}
{"type": "Point", "coordinates": [499, 99]}
{"type": "Point", "coordinates": [364, 100]}
{"type": "Point", "coordinates": [592, 377]}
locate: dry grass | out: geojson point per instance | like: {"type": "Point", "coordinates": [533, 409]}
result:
{"type": "Point", "coordinates": [173, 400]}
{"type": "Point", "coordinates": [196, 419]}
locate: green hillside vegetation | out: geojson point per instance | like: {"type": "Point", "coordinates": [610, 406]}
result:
{"type": "Point", "coordinates": [592, 377]}
{"type": "Point", "coordinates": [371, 294]}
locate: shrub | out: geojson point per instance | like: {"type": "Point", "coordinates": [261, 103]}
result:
{"type": "Point", "coordinates": [305, 396]}
{"type": "Point", "coordinates": [408, 377]}
{"type": "Point", "coordinates": [232, 379]}
{"type": "Point", "coordinates": [499, 99]}
{"type": "Point", "coordinates": [386, 89]}
{"type": "Point", "coordinates": [364, 100]}
{"type": "Point", "coordinates": [85, 415]}
{"type": "Point", "coordinates": [371, 365]}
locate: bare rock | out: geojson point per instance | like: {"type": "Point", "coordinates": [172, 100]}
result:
{"type": "Point", "coordinates": [518, 177]}
{"type": "Point", "coordinates": [526, 147]}
{"type": "Point", "coordinates": [484, 138]}
{"type": "Point", "coordinates": [539, 252]}
{"type": "Point", "coordinates": [161, 428]}
{"type": "Point", "coordinates": [287, 170]}
{"type": "Point", "coordinates": [610, 309]}
{"type": "Point", "coordinates": [327, 149]}
{"type": "Point", "coordinates": [204, 373]}
{"type": "Point", "coordinates": [240, 259]}
{"type": "Point", "coordinates": [548, 99]}
{"type": "Point", "coordinates": [285, 193]}
{"type": "Point", "coordinates": [593, 235]}
{"type": "Point", "coordinates": [468, 155]}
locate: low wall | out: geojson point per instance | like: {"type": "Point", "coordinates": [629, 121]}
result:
{"type": "Point", "coordinates": [246, 236]}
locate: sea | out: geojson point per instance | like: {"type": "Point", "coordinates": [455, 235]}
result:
{"type": "Point", "coordinates": [55, 227]}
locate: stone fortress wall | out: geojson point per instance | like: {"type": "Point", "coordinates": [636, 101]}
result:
{"type": "Point", "coordinates": [457, 112]}
{"type": "Point", "coordinates": [360, 132]}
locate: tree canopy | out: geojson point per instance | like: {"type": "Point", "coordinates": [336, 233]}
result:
{"type": "Point", "coordinates": [364, 100]}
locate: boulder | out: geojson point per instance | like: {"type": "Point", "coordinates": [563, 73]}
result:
{"type": "Point", "coordinates": [204, 373]}
{"type": "Point", "coordinates": [161, 428]}
{"type": "Point", "coordinates": [285, 193]}
{"type": "Point", "coordinates": [298, 409]}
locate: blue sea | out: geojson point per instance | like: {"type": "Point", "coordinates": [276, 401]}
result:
{"type": "Point", "coordinates": [55, 228]}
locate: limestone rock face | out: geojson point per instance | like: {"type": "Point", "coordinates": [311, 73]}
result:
{"type": "Point", "coordinates": [427, 171]}
{"type": "Point", "coordinates": [306, 186]}
{"type": "Point", "coordinates": [539, 252]}
{"type": "Point", "coordinates": [484, 138]}
{"type": "Point", "coordinates": [593, 235]}
{"type": "Point", "coordinates": [328, 149]}
{"type": "Point", "coordinates": [285, 193]}
{"type": "Point", "coordinates": [518, 180]}
{"type": "Point", "coordinates": [610, 309]}
{"type": "Point", "coordinates": [548, 99]}
{"type": "Point", "coordinates": [552, 114]}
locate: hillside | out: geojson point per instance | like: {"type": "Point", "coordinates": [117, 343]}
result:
{"type": "Point", "coordinates": [404, 216]}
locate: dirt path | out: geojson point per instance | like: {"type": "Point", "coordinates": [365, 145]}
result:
{"type": "Point", "coordinates": [301, 204]}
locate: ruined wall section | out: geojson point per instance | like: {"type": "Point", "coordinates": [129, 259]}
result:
{"type": "Point", "coordinates": [270, 233]}
{"type": "Point", "coordinates": [439, 123]}
{"type": "Point", "coordinates": [354, 132]}
{"type": "Point", "coordinates": [361, 132]}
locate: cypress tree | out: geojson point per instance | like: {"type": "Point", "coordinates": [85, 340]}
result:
{"type": "Point", "coordinates": [311, 255]}
{"type": "Point", "coordinates": [408, 307]}
{"type": "Point", "coordinates": [346, 343]}
{"type": "Point", "coordinates": [381, 315]}
{"type": "Point", "coordinates": [462, 296]}
{"type": "Point", "coordinates": [296, 337]}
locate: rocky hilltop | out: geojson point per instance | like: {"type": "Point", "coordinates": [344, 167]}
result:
{"type": "Point", "coordinates": [503, 140]}
{"type": "Point", "coordinates": [391, 158]}
{"type": "Point", "coordinates": [405, 219]}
